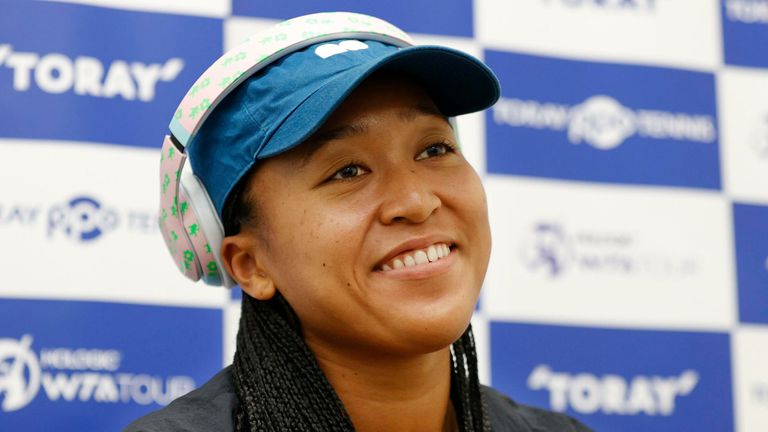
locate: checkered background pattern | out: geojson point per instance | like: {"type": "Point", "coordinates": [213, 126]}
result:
{"type": "Point", "coordinates": [626, 167]}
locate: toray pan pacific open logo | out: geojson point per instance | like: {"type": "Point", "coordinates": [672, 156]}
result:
{"type": "Point", "coordinates": [600, 125]}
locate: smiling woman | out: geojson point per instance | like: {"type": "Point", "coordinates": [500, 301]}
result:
{"type": "Point", "coordinates": [384, 193]}
{"type": "Point", "coordinates": [358, 233]}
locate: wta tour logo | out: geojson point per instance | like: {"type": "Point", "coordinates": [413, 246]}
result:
{"type": "Point", "coordinates": [19, 373]}
{"type": "Point", "coordinates": [77, 375]}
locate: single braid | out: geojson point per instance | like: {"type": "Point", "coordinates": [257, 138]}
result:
{"type": "Point", "coordinates": [468, 400]}
{"type": "Point", "coordinates": [277, 378]}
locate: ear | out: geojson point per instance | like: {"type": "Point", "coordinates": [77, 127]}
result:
{"type": "Point", "coordinates": [238, 252]}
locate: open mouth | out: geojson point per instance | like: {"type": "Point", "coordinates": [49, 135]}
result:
{"type": "Point", "coordinates": [418, 257]}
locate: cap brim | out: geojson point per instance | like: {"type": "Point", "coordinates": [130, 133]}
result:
{"type": "Point", "coordinates": [458, 84]}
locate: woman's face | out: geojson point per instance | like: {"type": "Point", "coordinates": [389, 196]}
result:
{"type": "Point", "coordinates": [348, 219]}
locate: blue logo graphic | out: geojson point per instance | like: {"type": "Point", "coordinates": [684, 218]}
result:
{"type": "Point", "coordinates": [627, 380]}
{"type": "Point", "coordinates": [549, 250]}
{"type": "Point", "coordinates": [81, 219]}
{"type": "Point", "coordinates": [451, 17]}
{"type": "Point", "coordinates": [121, 90]}
{"type": "Point", "coordinates": [603, 122]}
{"type": "Point", "coordinates": [745, 32]}
{"type": "Point", "coordinates": [751, 234]}
{"type": "Point", "coordinates": [97, 366]}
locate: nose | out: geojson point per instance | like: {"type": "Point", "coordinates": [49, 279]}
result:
{"type": "Point", "coordinates": [407, 197]}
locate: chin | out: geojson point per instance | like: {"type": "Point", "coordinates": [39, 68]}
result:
{"type": "Point", "coordinates": [429, 333]}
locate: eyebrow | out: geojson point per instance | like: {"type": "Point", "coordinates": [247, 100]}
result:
{"type": "Point", "coordinates": [409, 114]}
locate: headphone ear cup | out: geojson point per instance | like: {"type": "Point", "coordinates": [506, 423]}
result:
{"type": "Point", "coordinates": [171, 208]}
{"type": "Point", "coordinates": [204, 230]}
{"type": "Point", "coordinates": [188, 220]}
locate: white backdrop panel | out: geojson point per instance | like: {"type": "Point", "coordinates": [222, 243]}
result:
{"type": "Point", "coordinates": [636, 31]}
{"type": "Point", "coordinates": [609, 255]}
{"type": "Point", "coordinates": [87, 230]}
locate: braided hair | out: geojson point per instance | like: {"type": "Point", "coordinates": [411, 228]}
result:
{"type": "Point", "coordinates": [278, 380]}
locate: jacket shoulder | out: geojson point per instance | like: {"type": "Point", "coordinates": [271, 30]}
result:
{"type": "Point", "coordinates": [211, 407]}
{"type": "Point", "coordinates": [507, 415]}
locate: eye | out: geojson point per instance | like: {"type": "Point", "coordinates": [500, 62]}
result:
{"type": "Point", "coordinates": [436, 150]}
{"type": "Point", "coordinates": [349, 172]}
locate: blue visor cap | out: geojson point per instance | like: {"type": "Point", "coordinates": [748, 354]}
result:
{"type": "Point", "coordinates": [281, 106]}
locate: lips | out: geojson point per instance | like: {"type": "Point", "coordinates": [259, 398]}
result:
{"type": "Point", "coordinates": [409, 255]}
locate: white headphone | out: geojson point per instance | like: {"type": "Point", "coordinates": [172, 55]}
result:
{"type": "Point", "coordinates": [189, 223]}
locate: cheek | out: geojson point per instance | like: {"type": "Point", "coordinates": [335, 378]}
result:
{"type": "Point", "coordinates": [467, 194]}
{"type": "Point", "coordinates": [467, 197]}
{"type": "Point", "coordinates": [315, 243]}
{"type": "Point", "coordinates": [336, 228]}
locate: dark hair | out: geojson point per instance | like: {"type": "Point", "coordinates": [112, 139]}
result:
{"type": "Point", "coordinates": [238, 209]}
{"type": "Point", "coordinates": [277, 378]}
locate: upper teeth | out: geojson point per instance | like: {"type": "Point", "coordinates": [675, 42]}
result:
{"type": "Point", "coordinates": [418, 257]}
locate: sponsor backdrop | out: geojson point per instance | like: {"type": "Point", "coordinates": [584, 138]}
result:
{"type": "Point", "coordinates": [626, 167]}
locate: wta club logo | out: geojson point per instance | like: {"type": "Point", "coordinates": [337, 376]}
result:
{"type": "Point", "coordinates": [551, 249]}
{"type": "Point", "coordinates": [19, 373]}
{"type": "Point", "coordinates": [78, 375]}
{"type": "Point", "coordinates": [548, 249]}
{"type": "Point", "coordinates": [603, 122]}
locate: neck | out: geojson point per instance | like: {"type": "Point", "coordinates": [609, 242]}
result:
{"type": "Point", "coordinates": [410, 393]}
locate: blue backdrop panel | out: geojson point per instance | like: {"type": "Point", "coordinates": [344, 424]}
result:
{"type": "Point", "coordinates": [63, 359]}
{"type": "Point", "coordinates": [751, 235]}
{"type": "Point", "coordinates": [745, 32]}
{"type": "Point", "coordinates": [645, 124]}
{"type": "Point", "coordinates": [97, 74]}
{"type": "Point", "coordinates": [617, 380]}
{"type": "Point", "coordinates": [450, 17]}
